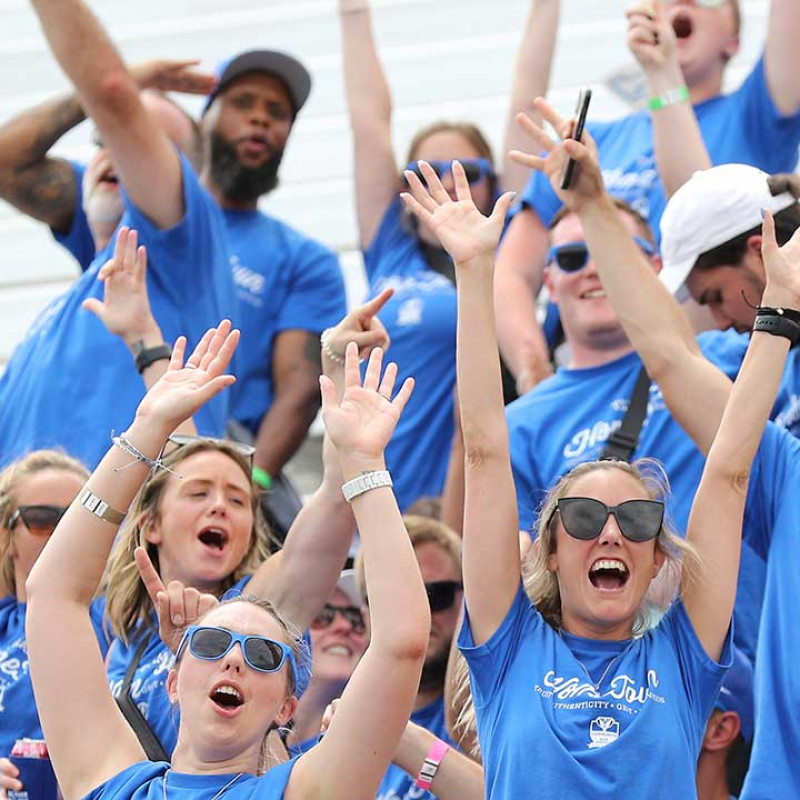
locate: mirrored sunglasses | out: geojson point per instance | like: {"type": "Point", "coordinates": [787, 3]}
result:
{"type": "Point", "coordinates": [39, 520]}
{"type": "Point", "coordinates": [584, 517]}
{"type": "Point", "coordinates": [475, 169]}
{"type": "Point", "coordinates": [351, 614]}
{"type": "Point", "coordinates": [574, 256]}
{"type": "Point", "coordinates": [442, 594]}
{"type": "Point", "coordinates": [260, 653]}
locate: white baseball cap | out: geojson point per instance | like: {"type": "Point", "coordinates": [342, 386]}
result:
{"type": "Point", "coordinates": [714, 206]}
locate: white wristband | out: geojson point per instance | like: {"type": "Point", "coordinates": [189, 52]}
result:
{"type": "Point", "coordinates": [365, 482]}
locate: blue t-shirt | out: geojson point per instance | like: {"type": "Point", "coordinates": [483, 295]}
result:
{"type": "Point", "coordinates": [70, 382]}
{"type": "Point", "coordinates": [547, 732]}
{"type": "Point", "coordinates": [744, 127]}
{"type": "Point", "coordinates": [421, 321]}
{"type": "Point", "coordinates": [18, 716]}
{"type": "Point", "coordinates": [774, 510]}
{"type": "Point", "coordinates": [546, 442]}
{"type": "Point", "coordinates": [78, 239]}
{"type": "Point", "coordinates": [145, 781]}
{"type": "Point", "coordinates": [397, 784]}
{"type": "Point", "coordinates": [284, 281]}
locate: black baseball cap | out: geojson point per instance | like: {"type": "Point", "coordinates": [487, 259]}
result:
{"type": "Point", "coordinates": [293, 74]}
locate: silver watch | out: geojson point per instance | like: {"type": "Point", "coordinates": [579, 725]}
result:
{"type": "Point", "coordinates": [364, 482]}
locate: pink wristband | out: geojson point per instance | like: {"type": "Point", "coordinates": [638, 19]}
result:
{"type": "Point", "coordinates": [430, 766]}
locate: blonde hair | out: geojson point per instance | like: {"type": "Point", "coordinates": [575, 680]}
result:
{"type": "Point", "coordinates": [472, 133]}
{"type": "Point", "coordinates": [681, 563]}
{"type": "Point", "coordinates": [10, 478]}
{"type": "Point", "coordinates": [421, 530]}
{"type": "Point", "coordinates": [128, 605]}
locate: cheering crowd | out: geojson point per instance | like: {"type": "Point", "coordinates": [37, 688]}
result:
{"type": "Point", "coordinates": [552, 555]}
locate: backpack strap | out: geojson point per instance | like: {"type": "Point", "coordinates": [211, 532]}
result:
{"type": "Point", "coordinates": [623, 440]}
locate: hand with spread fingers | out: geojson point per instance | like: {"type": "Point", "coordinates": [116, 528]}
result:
{"type": "Point", "coordinates": [587, 182]}
{"type": "Point", "coordinates": [463, 231]}
{"type": "Point", "coordinates": [651, 38]}
{"type": "Point", "coordinates": [362, 326]}
{"type": "Point", "coordinates": [782, 267]}
{"type": "Point", "coordinates": [362, 423]}
{"type": "Point", "coordinates": [177, 606]}
{"type": "Point", "coordinates": [184, 388]}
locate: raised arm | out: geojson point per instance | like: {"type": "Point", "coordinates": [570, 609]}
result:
{"type": "Point", "coordinates": [679, 147]}
{"type": "Point", "coordinates": [61, 641]}
{"type": "Point", "coordinates": [782, 56]}
{"type": "Point", "coordinates": [300, 578]}
{"type": "Point", "coordinates": [109, 94]}
{"type": "Point", "coordinates": [531, 79]}
{"type": "Point", "coordinates": [693, 388]}
{"type": "Point", "coordinates": [353, 756]}
{"type": "Point", "coordinates": [490, 533]}
{"type": "Point", "coordinates": [370, 107]}
{"type": "Point", "coordinates": [715, 522]}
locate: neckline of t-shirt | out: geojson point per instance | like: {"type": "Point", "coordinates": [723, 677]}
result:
{"type": "Point", "coordinates": [579, 645]}
{"type": "Point", "coordinates": [187, 780]}
{"type": "Point", "coordinates": [582, 372]}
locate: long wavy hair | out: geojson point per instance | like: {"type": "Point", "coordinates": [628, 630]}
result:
{"type": "Point", "coordinates": [10, 478]}
{"type": "Point", "coordinates": [128, 606]}
{"type": "Point", "coordinates": [681, 563]}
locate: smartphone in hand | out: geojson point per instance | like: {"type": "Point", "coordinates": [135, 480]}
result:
{"type": "Point", "coordinates": [580, 113]}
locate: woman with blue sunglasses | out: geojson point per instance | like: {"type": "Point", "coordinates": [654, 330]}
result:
{"type": "Point", "coordinates": [237, 666]}
{"type": "Point", "coordinates": [398, 252]}
{"type": "Point", "coordinates": [577, 657]}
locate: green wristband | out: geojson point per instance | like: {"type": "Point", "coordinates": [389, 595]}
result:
{"type": "Point", "coordinates": [670, 98]}
{"type": "Point", "coordinates": [262, 478]}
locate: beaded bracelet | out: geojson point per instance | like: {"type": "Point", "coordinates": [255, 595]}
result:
{"type": "Point", "coordinates": [131, 449]}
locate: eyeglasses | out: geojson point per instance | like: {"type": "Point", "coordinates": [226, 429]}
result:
{"type": "Point", "coordinates": [584, 517]}
{"type": "Point", "coordinates": [351, 614]}
{"type": "Point", "coordinates": [39, 520]}
{"type": "Point", "coordinates": [474, 168]}
{"type": "Point", "coordinates": [261, 654]}
{"type": "Point", "coordinates": [184, 439]}
{"type": "Point", "coordinates": [442, 594]}
{"type": "Point", "coordinates": [574, 256]}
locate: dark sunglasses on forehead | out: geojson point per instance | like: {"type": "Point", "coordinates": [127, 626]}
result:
{"type": "Point", "coordinates": [584, 517]}
{"type": "Point", "coordinates": [474, 168]}
{"type": "Point", "coordinates": [574, 256]}
{"type": "Point", "coordinates": [442, 594]}
{"type": "Point", "coordinates": [351, 614]}
{"type": "Point", "coordinates": [40, 520]}
{"type": "Point", "coordinates": [178, 440]}
{"type": "Point", "coordinates": [260, 653]}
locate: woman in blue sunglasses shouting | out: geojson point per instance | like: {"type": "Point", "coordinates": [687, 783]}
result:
{"type": "Point", "coordinates": [236, 668]}
{"type": "Point", "coordinates": [571, 662]}
{"type": "Point", "coordinates": [398, 252]}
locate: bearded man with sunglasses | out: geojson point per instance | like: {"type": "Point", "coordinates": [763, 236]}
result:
{"type": "Point", "coordinates": [438, 551]}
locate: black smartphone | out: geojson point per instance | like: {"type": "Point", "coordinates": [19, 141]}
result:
{"type": "Point", "coordinates": [580, 113]}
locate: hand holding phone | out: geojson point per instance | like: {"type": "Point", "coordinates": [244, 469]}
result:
{"type": "Point", "coordinates": [581, 110]}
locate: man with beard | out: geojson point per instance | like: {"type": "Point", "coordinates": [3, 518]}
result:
{"type": "Point", "coordinates": [289, 287]}
{"type": "Point", "coordinates": [438, 551]}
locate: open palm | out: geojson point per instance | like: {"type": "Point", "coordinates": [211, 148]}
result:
{"type": "Point", "coordinates": [782, 266]}
{"type": "Point", "coordinates": [362, 423]}
{"type": "Point", "coordinates": [463, 231]}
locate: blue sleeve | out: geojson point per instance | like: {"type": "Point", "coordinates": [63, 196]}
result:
{"type": "Point", "coordinates": [538, 196]}
{"type": "Point", "coordinates": [101, 624]}
{"type": "Point", "coordinates": [78, 239]}
{"type": "Point", "coordinates": [724, 349]}
{"type": "Point", "coordinates": [316, 298]}
{"type": "Point", "coordinates": [393, 232]}
{"type": "Point", "coordinates": [774, 137]}
{"type": "Point", "coordinates": [701, 675]}
{"type": "Point", "coordinates": [489, 662]}
{"type": "Point", "coordinates": [181, 256]}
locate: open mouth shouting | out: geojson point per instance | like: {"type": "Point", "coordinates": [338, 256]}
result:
{"type": "Point", "coordinates": [227, 698]}
{"type": "Point", "coordinates": [214, 540]}
{"type": "Point", "coordinates": [682, 25]}
{"type": "Point", "coordinates": [609, 575]}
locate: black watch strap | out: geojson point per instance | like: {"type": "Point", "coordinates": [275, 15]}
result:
{"type": "Point", "coordinates": [777, 326]}
{"type": "Point", "coordinates": [144, 358]}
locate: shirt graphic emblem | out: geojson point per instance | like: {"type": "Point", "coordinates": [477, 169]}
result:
{"type": "Point", "coordinates": [603, 731]}
{"type": "Point", "coordinates": [410, 312]}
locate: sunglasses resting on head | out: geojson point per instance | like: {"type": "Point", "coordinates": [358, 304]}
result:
{"type": "Point", "coordinates": [584, 517]}
{"type": "Point", "coordinates": [574, 256]}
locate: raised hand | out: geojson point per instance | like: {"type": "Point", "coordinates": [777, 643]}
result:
{"type": "Point", "coordinates": [173, 76]}
{"type": "Point", "coordinates": [651, 38]}
{"type": "Point", "coordinates": [587, 183]}
{"type": "Point", "coordinates": [177, 606]}
{"type": "Point", "coordinates": [361, 326]}
{"type": "Point", "coordinates": [125, 307]}
{"type": "Point", "coordinates": [183, 389]}
{"type": "Point", "coordinates": [461, 228]}
{"type": "Point", "coordinates": [361, 425]}
{"type": "Point", "coordinates": [782, 267]}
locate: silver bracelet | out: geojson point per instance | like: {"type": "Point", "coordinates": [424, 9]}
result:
{"type": "Point", "coordinates": [366, 482]}
{"type": "Point", "coordinates": [97, 506]}
{"type": "Point", "coordinates": [131, 449]}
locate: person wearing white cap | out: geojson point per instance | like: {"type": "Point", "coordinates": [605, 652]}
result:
{"type": "Point", "coordinates": [690, 46]}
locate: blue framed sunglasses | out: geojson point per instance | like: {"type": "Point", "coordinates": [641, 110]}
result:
{"type": "Point", "coordinates": [475, 169]}
{"type": "Point", "coordinates": [574, 256]}
{"type": "Point", "coordinates": [260, 653]}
